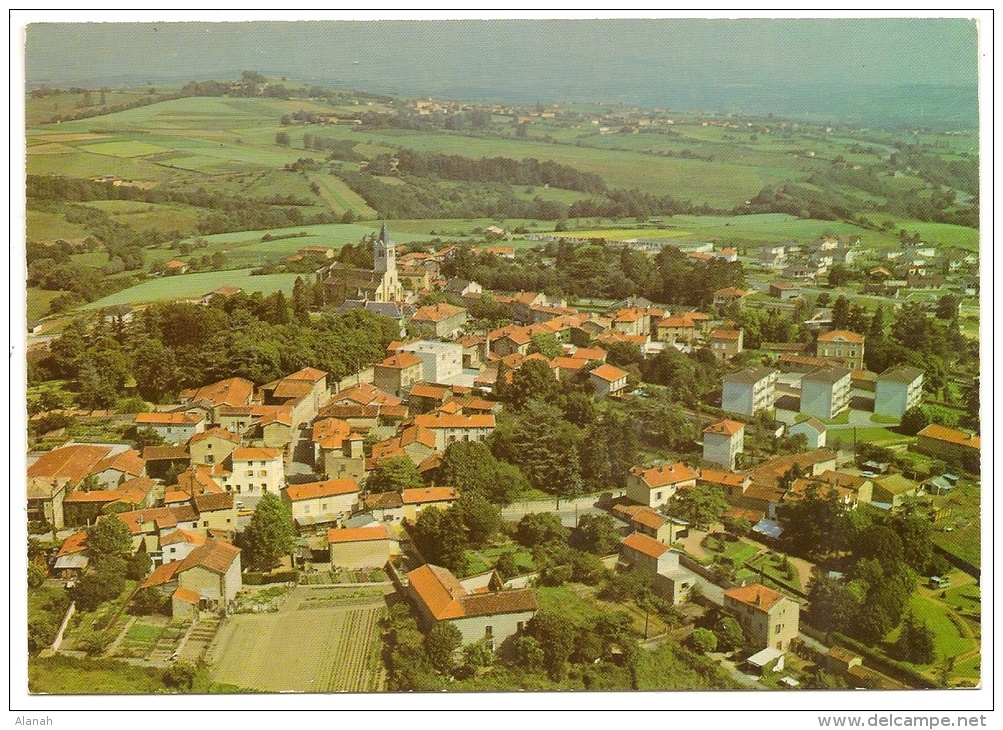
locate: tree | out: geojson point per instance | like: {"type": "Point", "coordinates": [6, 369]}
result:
{"type": "Point", "coordinates": [556, 635]}
{"type": "Point", "coordinates": [840, 312]}
{"type": "Point", "coordinates": [815, 525]}
{"type": "Point", "coordinates": [93, 589]}
{"type": "Point", "coordinates": [181, 676]}
{"type": "Point", "coordinates": [481, 518]}
{"type": "Point", "coordinates": [947, 306]}
{"type": "Point", "coordinates": [269, 535]}
{"type": "Point", "coordinates": [596, 534]}
{"type": "Point", "coordinates": [394, 475]}
{"type": "Point", "coordinates": [916, 641]}
{"type": "Point", "coordinates": [146, 437]}
{"type": "Point", "coordinates": [506, 565]}
{"type": "Point", "coordinates": [441, 641]}
{"type": "Point", "coordinates": [36, 575]}
{"type": "Point", "coordinates": [439, 536]}
{"type": "Point", "coordinates": [534, 380]}
{"type": "Point", "coordinates": [700, 506]}
{"type": "Point", "coordinates": [703, 640]}
{"type": "Point", "coordinates": [914, 420]}
{"type": "Point", "coordinates": [138, 564]}
{"type": "Point", "coordinates": [282, 139]}
{"type": "Point", "coordinates": [528, 653]}
{"type": "Point", "coordinates": [147, 602]}
{"type": "Point", "coordinates": [839, 275]}
{"type": "Point", "coordinates": [546, 344]}
{"type": "Point", "coordinates": [477, 655]}
{"type": "Point", "coordinates": [470, 467]}
{"type": "Point", "coordinates": [540, 528]}
{"type": "Point", "coordinates": [729, 634]}
{"type": "Point", "coordinates": [109, 538]}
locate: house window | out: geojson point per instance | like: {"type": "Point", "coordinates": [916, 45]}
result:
{"type": "Point", "coordinates": [520, 626]}
{"type": "Point", "coordinates": [779, 626]}
{"type": "Point", "coordinates": [263, 473]}
{"type": "Point", "coordinates": [488, 632]}
{"type": "Point", "coordinates": [264, 487]}
{"type": "Point", "coordinates": [250, 472]}
{"type": "Point", "coordinates": [210, 459]}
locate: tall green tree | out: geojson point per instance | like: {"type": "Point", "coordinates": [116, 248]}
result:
{"type": "Point", "coordinates": [556, 634]}
{"type": "Point", "coordinates": [700, 506]}
{"type": "Point", "coordinates": [270, 534]}
{"type": "Point", "coordinates": [394, 475]}
{"type": "Point", "coordinates": [439, 536]}
{"type": "Point", "coordinates": [481, 518]}
{"type": "Point", "coordinates": [441, 642]}
{"type": "Point", "coordinates": [109, 538]}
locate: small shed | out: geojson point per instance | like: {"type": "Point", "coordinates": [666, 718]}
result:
{"type": "Point", "coordinates": [767, 661]}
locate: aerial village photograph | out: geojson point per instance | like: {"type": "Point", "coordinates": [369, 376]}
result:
{"type": "Point", "coordinates": [437, 359]}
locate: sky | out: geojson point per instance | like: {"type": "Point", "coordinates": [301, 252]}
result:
{"type": "Point", "coordinates": [493, 56]}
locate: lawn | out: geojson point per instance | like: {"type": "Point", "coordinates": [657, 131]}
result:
{"type": "Point", "coordinates": [873, 435]}
{"type": "Point", "coordinates": [193, 286]}
{"type": "Point", "coordinates": [563, 600]}
{"type": "Point", "coordinates": [948, 641]}
{"type": "Point", "coordinates": [737, 552]}
{"type": "Point", "coordinates": [770, 564]}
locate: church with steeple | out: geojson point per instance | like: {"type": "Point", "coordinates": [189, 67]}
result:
{"type": "Point", "coordinates": [345, 282]}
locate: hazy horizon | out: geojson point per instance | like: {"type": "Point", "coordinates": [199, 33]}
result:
{"type": "Point", "coordinates": [792, 66]}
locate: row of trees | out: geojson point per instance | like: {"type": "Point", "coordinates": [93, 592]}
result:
{"type": "Point", "coordinates": [169, 347]}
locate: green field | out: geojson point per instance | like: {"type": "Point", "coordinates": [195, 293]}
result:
{"type": "Point", "coordinates": [949, 641]}
{"type": "Point", "coordinates": [340, 197]}
{"type": "Point", "coordinates": [193, 286]}
{"type": "Point", "coordinates": [124, 149]}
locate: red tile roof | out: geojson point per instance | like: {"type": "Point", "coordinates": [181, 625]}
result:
{"type": "Point", "coordinates": [722, 334]}
{"type": "Point", "coordinates": [400, 361]}
{"type": "Point", "coordinates": [314, 490]}
{"type": "Point", "coordinates": [647, 517]}
{"type": "Point", "coordinates": [162, 574]}
{"type": "Point", "coordinates": [165, 453]}
{"type": "Point", "coordinates": [841, 336]}
{"type": "Point", "coordinates": [755, 595]}
{"type": "Point", "coordinates": [129, 462]}
{"type": "Point", "coordinates": [437, 312]}
{"type": "Point", "coordinates": [445, 598]}
{"type": "Point", "coordinates": [659, 476]}
{"type": "Point", "coordinates": [312, 375]}
{"type": "Point", "coordinates": [725, 427]}
{"type": "Point", "coordinates": [71, 462]}
{"type": "Point", "coordinates": [358, 534]}
{"type": "Point", "coordinates": [951, 436]}
{"type": "Point", "coordinates": [232, 391]}
{"type": "Point", "coordinates": [218, 432]}
{"type": "Point", "coordinates": [180, 535]}
{"type": "Point", "coordinates": [723, 478]}
{"type": "Point", "coordinates": [609, 373]}
{"type": "Point", "coordinates": [214, 555]}
{"type": "Point", "coordinates": [252, 453]}
{"type": "Point", "coordinates": [428, 390]}
{"type": "Point", "coordinates": [187, 595]}
{"type": "Point", "coordinates": [93, 497]}
{"type": "Point", "coordinates": [168, 419]}
{"type": "Point", "coordinates": [730, 291]}
{"type": "Point", "coordinates": [428, 495]}
{"type": "Point", "coordinates": [75, 543]}
{"type": "Point", "coordinates": [645, 545]}
{"type": "Point", "coordinates": [441, 420]}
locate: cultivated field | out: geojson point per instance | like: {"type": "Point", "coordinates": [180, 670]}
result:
{"type": "Point", "coordinates": [193, 286]}
{"type": "Point", "coordinates": [320, 640]}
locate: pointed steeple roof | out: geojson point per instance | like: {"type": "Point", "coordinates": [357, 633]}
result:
{"type": "Point", "coordinates": [384, 233]}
